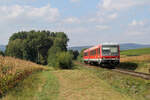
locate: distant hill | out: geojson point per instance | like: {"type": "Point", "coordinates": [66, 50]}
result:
{"type": "Point", "coordinates": [132, 46]}
{"type": "Point", "coordinates": [125, 46]}
{"type": "Point", "coordinates": [79, 48]}
{"type": "Point", "coordinates": [2, 47]}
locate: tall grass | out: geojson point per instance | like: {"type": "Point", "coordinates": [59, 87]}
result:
{"type": "Point", "coordinates": [13, 71]}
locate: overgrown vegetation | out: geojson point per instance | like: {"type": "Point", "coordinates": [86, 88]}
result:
{"type": "Point", "coordinates": [12, 71]}
{"type": "Point", "coordinates": [138, 88]}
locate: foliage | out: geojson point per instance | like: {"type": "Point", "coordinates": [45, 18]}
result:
{"type": "Point", "coordinates": [75, 54]}
{"type": "Point", "coordinates": [60, 59]}
{"type": "Point", "coordinates": [64, 60]}
{"type": "Point", "coordinates": [80, 57]}
{"type": "Point", "coordinates": [2, 53]}
{"type": "Point", "coordinates": [52, 56]}
{"type": "Point", "coordinates": [34, 45]}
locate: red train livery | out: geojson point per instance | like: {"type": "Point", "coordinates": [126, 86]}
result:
{"type": "Point", "coordinates": [103, 54]}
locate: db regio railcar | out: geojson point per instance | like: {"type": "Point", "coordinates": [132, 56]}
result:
{"type": "Point", "coordinates": [102, 54]}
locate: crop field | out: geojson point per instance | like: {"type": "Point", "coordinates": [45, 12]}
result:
{"type": "Point", "coordinates": [14, 70]}
{"type": "Point", "coordinates": [136, 59]}
{"type": "Point", "coordinates": [136, 52]}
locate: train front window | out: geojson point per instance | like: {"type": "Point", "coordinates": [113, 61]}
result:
{"type": "Point", "coordinates": [109, 50]}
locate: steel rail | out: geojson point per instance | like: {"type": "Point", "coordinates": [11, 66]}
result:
{"type": "Point", "coordinates": [127, 72]}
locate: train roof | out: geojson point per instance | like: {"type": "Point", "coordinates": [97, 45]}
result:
{"type": "Point", "coordinates": [94, 47]}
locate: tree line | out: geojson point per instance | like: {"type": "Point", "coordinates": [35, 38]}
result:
{"type": "Point", "coordinates": [42, 47]}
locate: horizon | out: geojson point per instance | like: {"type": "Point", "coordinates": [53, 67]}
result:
{"type": "Point", "coordinates": [94, 45]}
{"type": "Point", "coordinates": [85, 22]}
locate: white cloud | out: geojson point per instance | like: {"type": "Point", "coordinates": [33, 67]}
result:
{"type": "Point", "coordinates": [113, 16]}
{"type": "Point", "coordinates": [74, 1]}
{"type": "Point", "coordinates": [120, 4]}
{"type": "Point", "coordinates": [71, 20]}
{"type": "Point", "coordinates": [137, 28]}
{"type": "Point", "coordinates": [46, 13]}
{"type": "Point", "coordinates": [136, 23]}
{"type": "Point", "coordinates": [102, 27]}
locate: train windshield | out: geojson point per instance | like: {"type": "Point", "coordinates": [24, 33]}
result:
{"type": "Point", "coordinates": [110, 50]}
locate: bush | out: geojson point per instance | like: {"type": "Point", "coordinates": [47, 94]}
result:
{"type": "Point", "coordinates": [2, 53]}
{"type": "Point", "coordinates": [64, 60]}
{"type": "Point", "coordinates": [80, 56]}
{"type": "Point", "coordinates": [52, 56]}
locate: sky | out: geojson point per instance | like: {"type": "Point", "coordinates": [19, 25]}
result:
{"type": "Point", "coordinates": [86, 22]}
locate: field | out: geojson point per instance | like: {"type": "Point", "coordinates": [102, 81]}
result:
{"type": "Point", "coordinates": [35, 82]}
{"type": "Point", "coordinates": [13, 71]}
{"type": "Point", "coordinates": [136, 59]}
{"type": "Point", "coordinates": [136, 52]}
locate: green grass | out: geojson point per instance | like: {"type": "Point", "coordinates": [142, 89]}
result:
{"type": "Point", "coordinates": [137, 88]}
{"type": "Point", "coordinates": [136, 52]}
{"type": "Point", "coordinates": [39, 86]}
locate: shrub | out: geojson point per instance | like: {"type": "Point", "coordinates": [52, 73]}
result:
{"type": "Point", "coordinates": [52, 56]}
{"type": "Point", "coordinates": [64, 60]}
{"type": "Point", "coordinates": [2, 53]}
{"type": "Point", "coordinates": [80, 56]}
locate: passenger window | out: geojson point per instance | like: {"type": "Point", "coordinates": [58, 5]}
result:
{"type": "Point", "coordinates": [98, 50]}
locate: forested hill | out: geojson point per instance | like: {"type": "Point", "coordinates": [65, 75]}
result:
{"type": "Point", "coordinates": [2, 47]}
{"type": "Point", "coordinates": [125, 46]}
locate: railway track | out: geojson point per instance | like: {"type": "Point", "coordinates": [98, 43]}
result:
{"type": "Point", "coordinates": [127, 72]}
{"type": "Point", "coordinates": [133, 73]}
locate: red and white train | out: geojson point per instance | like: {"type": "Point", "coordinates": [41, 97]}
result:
{"type": "Point", "coordinates": [103, 54]}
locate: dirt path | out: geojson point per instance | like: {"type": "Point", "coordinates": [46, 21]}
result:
{"type": "Point", "coordinates": [83, 85]}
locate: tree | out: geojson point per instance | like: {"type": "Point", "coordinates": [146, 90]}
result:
{"type": "Point", "coordinates": [37, 46]}
{"type": "Point", "coordinates": [80, 56]}
{"type": "Point", "coordinates": [75, 54]}
{"type": "Point", "coordinates": [2, 53]}
{"type": "Point", "coordinates": [15, 48]}
{"type": "Point", "coordinates": [53, 53]}
{"type": "Point", "coordinates": [64, 60]}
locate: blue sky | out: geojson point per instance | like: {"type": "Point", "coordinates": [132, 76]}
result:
{"type": "Point", "coordinates": [86, 22]}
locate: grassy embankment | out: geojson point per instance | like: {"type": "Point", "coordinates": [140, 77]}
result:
{"type": "Point", "coordinates": [136, 88]}
{"type": "Point", "coordinates": [136, 59]}
{"type": "Point", "coordinates": [13, 71]}
{"type": "Point", "coordinates": [38, 86]}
